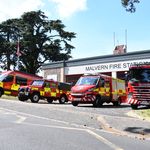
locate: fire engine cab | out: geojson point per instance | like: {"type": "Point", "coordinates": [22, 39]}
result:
{"type": "Point", "coordinates": [138, 85]}
{"type": "Point", "coordinates": [45, 89]}
{"type": "Point", "coordinates": [97, 89]}
{"type": "Point", "coordinates": [10, 81]}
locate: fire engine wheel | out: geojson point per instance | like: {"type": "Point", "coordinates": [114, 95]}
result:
{"type": "Point", "coordinates": [75, 103]}
{"type": "Point", "coordinates": [134, 106]}
{"type": "Point", "coordinates": [62, 99]}
{"type": "Point", "coordinates": [22, 99]}
{"type": "Point", "coordinates": [49, 100]}
{"type": "Point", "coordinates": [35, 98]}
{"type": "Point", "coordinates": [117, 102]}
{"type": "Point", "coordinates": [98, 102]}
{"type": "Point", "coordinates": [1, 93]}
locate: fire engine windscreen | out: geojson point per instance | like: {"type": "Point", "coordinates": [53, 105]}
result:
{"type": "Point", "coordinates": [87, 81]}
{"type": "Point", "coordinates": [6, 78]}
{"type": "Point", "coordinates": [2, 77]}
{"type": "Point", "coordinates": [37, 82]}
{"type": "Point", "coordinates": [141, 75]}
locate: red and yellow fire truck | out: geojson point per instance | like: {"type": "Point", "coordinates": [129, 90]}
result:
{"type": "Point", "coordinates": [10, 81]}
{"type": "Point", "coordinates": [97, 89]}
{"type": "Point", "coordinates": [45, 89]}
{"type": "Point", "coordinates": [138, 90]}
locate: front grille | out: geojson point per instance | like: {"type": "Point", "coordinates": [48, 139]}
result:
{"type": "Point", "coordinates": [141, 92]}
{"type": "Point", "coordinates": [77, 94]}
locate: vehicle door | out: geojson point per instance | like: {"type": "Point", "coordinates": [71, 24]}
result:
{"type": "Point", "coordinates": [47, 89]}
{"type": "Point", "coordinates": [54, 89]}
{"type": "Point", "coordinates": [7, 83]}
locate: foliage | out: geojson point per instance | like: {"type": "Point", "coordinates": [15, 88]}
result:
{"type": "Point", "coordinates": [41, 40]}
{"type": "Point", "coordinates": [8, 34]}
{"type": "Point", "coordinates": [129, 5]}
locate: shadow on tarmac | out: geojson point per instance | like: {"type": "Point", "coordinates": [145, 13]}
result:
{"type": "Point", "coordinates": [138, 130]}
{"type": "Point", "coordinates": [104, 106]}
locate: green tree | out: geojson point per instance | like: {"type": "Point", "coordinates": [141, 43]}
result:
{"type": "Point", "coordinates": [129, 5]}
{"type": "Point", "coordinates": [8, 34]}
{"type": "Point", "coordinates": [41, 40]}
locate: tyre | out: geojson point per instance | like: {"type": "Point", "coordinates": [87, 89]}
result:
{"type": "Point", "coordinates": [22, 98]}
{"type": "Point", "coordinates": [98, 102]}
{"type": "Point", "coordinates": [1, 92]}
{"type": "Point", "coordinates": [75, 103]}
{"type": "Point", "coordinates": [49, 100]}
{"type": "Point", "coordinates": [117, 103]}
{"type": "Point", "coordinates": [62, 99]}
{"type": "Point", "coordinates": [35, 98]}
{"type": "Point", "coordinates": [134, 106]}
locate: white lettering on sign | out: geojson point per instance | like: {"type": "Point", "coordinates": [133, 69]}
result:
{"type": "Point", "coordinates": [107, 67]}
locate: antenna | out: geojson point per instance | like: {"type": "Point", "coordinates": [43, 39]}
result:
{"type": "Point", "coordinates": [114, 40]}
{"type": "Point", "coordinates": [126, 39]}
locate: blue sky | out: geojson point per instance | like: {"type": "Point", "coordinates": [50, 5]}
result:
{"type": "Point", "coordinates": [93, 21]}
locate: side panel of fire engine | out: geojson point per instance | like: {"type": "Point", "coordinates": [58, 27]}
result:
{"type": "Point", "coordinates": [118, 90]}
{"type": "Point", "coordinates": [114, 89]}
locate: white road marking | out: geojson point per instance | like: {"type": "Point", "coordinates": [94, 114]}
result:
{"type": "Point", "coordinates": [95, 135]}
{"type": "Point", "coordinates": [21, 119]}
{"type": "Point", "coordinates": [102, 139]}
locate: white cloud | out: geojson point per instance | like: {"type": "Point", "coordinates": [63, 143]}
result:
{"type": "Point", "coordinates": [66, 8]}
{"type": "Point", "coordinates": [15, 8]}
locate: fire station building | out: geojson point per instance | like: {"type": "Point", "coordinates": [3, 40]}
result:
{"type": "Point", "coordinates": [114, 65]}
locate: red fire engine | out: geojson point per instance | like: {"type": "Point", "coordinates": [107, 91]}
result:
{"type": "Point", "coordinates": [97, 89]}
{"type": "Point", "coordinates": [10, 81]}
{"type": "Point", "coordinates": [45, 89]}
{"type": "Point", "coordinates": [138, 91]}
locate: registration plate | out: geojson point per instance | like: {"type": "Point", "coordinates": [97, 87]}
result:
{"type": "Point", "coordinates": [77, 99]}
{"type": "Point", "coordinates": [26, 93]}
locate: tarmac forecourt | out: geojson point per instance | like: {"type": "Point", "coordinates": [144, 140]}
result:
{"type": "Point", "coordinates": [142, 113]}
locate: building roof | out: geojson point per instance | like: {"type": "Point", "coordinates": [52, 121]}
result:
{"type": "Point", "coordinates": [144, 54]}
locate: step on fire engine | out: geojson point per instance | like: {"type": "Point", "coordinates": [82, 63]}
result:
{"type": "Point", "coordinates": [97, 89]}
{"type": "Point", "coordinates": [138, 89]}
{"type": "Point", "coordinates": [45, 89]}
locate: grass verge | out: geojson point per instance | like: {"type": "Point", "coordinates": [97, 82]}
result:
{"type": "Point", "coordinates": [145, 114]}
